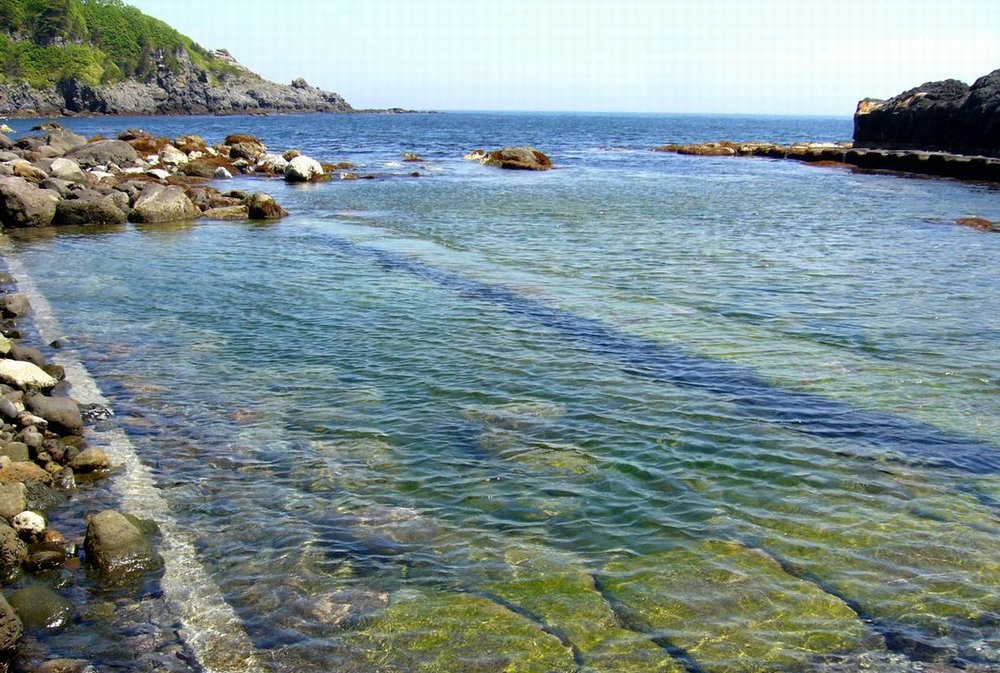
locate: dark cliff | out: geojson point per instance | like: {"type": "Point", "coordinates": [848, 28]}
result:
{"type": "Point", "coordinates": [947, 116]}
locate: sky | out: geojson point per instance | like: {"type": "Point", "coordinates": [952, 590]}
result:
{"type": "Point", "coordinates": [713, 56]}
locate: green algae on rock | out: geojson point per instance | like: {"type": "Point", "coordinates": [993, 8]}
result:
{"type": "Point", "coordinates": [733, 609]}
{"type": "Point", "coordinates": [555, 588]}
{"type": "Point", "coordinates": [430, 633]}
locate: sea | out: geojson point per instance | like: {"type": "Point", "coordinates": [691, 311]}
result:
{"type": "Point", "coordinates": [642, 412]}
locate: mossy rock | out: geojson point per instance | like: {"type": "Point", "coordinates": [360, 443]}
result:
{"type": "Point", "coordinates": [457, 633]}
{"type": "Point", "coordinates": [556, 588]}
{"type": "Point", "coordinates": [733, 609]}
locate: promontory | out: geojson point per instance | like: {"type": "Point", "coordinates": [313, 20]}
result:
{"type": "Point", "coordinates": [105, 57]}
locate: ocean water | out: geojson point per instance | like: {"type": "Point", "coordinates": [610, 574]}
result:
{"type": "Point", "coordinates": [643, 412]}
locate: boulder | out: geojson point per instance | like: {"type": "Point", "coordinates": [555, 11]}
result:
{"type": "Point", "coordinates": [227, 213]}
{"type": "Point", "coordinates": [11, 628]}
{"type": "Point", "coordinates": [64, 140]}
{"type": "Point", "coordinates": [23, 204]}
{"type": "Point", "coordinates": [42, 609]}
{"type": "Point", "coordinates": [205, 167]}
{"type": "Point", "coordinates": [24, 472]}
{"type": "Point", "coordinates": [158, 173]}
{"type": "Point", "coordinates": [68, 170]}
{"type": "Point", "coordinates": [32, 174]}
{"type": "Point", "coordinates": [90, 460]}
{"type": "Point", "coordinates": [303, 169]}
{"type": "Point", "coordinates": [171, 156]}
{"type": "Point", "coordinates": [518, 158]}
{"type": "Point", "coordinates": [28, 525]}
{"type": "Point", "coordinates": [245, 147]}
{"type": "Point", "coordinates": [6, 345]}
{"type": "Point", "coordinates": [222, 173]}
{"type": "Point", "coordinates": [12, 548]}
{"type": "Point", "coordinates": [17, 452]}
{"type": "Point", "coordinates": [14, 305]}
{"type": "Point", "coordinates": [118, 547]}
{"type": "Point", "coordinates": [159, 203]}
{"type": "Point", "coordinates": [13, 500]}
{"type": "Point", "coordinates": [62, 413]}
{"type": "Point", "coordinates": [948, 116]}
{"type": "Point", "coordinates": [105, 152]}
{"type": "Point", "coordinates": [25, 375]}
{"type": "Point", "coordinates": [28, 354]}
{"type": "Point", "coordinates": [262, 206]}
{"type": "Point", "coordinates": [273, 163]}
{"type": "Point", "coordinates": [5, 142]}
{"type": "Point", "coordinates": [89, 210]}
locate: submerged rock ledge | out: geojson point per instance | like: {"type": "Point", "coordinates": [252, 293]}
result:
{"type": "Point", "coordinates": [940, 164]}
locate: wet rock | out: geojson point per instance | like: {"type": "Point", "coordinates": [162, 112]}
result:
{"type": "Point", "coordinates": [518, 158]}
{"type": "Point", "coordinates": [222, 173]}
{"type": "Point", "coordinates": [303, 169]}
{"type": "Point", "coordinates": [11, 628]}
{"type": "Point", "coordinates": [23, 204]}
{"type": "Point", "coordinates": [41, 560]}
{"type": "Point", "coordinates": [475, 155]}
{"type": "Point", "coordinates": [261, 206]}
{"type": "Point", "coordinates": [412, 157]}
{"type": "Point", "coordinates": [158, 203]}
{"type": "Point", "coordinates": [68, 170]}
{"type": "Point", "coordinates": [118, 547]}
{"type": "Point", "coordinates": [103, 153]}
{"type": "Point", "coordinates": [42, 609]}
{"type": "Point", "coordinates": [66, 666]}
{"type": "Point", "coordinates": [227, 213]}
{"type": "Point", "coordinates": [62, 413]}
{"type": "Point", "coordinates": [91, 210]}
{"type": "Point", "coordinates": [13, 500]}
{"type": "Point", "coordinates": [29, 525]}
{"type": "Point", "coordinates": [28, 354]}
{"type": "Point", "coordinates": [25, 375]}
{"type": "Point", "coordinates": [90, 460]}
{"type": "Point", "coordinates": [15, 305]}
{"type": "Point", "coordinates": [92, 413]}
{"type": "Point", "coordinates": [978, 223]}
{"type": "Point", "coordinates": [13, 550]}
{"type": "Point", "coordinates": [341, 608]}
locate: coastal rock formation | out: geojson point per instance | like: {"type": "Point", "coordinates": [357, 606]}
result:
{"type": "Point", "coordinates": [117, 546]}
{"type": "Point", "coordinates": [945, 116]}
{"type": "Point", "coordinates": [516, 158]}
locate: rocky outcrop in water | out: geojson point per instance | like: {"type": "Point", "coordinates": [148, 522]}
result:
{"type": "Point", "coordinates": [514, 158]}
{"type": "Point", "coordinates": [182, 89]}
{"type": "Point", "coordinates": [946, 116]}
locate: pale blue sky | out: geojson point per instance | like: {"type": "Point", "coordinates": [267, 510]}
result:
{"type": "Point", "coordinates": [731, 56]}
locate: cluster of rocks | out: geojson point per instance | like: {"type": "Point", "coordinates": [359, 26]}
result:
{"type": "Point", "coordinates": [948, 116]}
{"type": "Point", "coordinates": [60, 178]}
{"type": "Point", "coordinates": [183, 88]}
{"type": "Point", "coordinates": [43, 454]}
{"type": "Point", "coordinates": [514, 158]}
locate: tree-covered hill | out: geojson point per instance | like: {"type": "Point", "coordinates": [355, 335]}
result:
{"type": "Point", "coordinates": [104, 56]}
{"type": "Point", "coordinates": [97, 42]}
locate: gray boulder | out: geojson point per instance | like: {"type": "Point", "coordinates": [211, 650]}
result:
{"type": "Point", "coordinates": [6, 143]}
{"type": "Point", "coordinates": [62, 413]}
{"type": "Point", "coordinates": [64, 140]}
{"type": "Point", "coordinates": [28, 354]}
{"type": "Point", "coordinates": [105, 152]}
{"type": "Point", "coordinates": [13, 500]}
{"type": "Point", "coordinates": [57, 186]}
{"type": "Point", "coordinates": [118, 547]}
{"type": "Point", "coordinates": [159, 203]}
{"type": "Point", "coordinates": [23, 204]}
{"type": "Point", "coordinates": [68, 170]}
{"type": "Point", "coordinates": [11, 628]}
{"type": "Point", "coordinates": [89, 210]}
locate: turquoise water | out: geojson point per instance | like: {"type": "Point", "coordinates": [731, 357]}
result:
{"type": "Point", "coordinates": [643, 412]}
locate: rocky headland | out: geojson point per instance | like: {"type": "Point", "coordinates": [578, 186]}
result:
{"type": "Point", "coordinates": [947, 116]}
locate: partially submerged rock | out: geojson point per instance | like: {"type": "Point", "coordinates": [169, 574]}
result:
{"type": "Point", "coordinates": [518, 158]}
{"type": "Point", "coordinates": [11, 628]}
{"type": "Point", "coordinates": [303, 169]}
{"type": "Point", "coordinates": [159, 203]}
{"type": "Point", "coordinates": [42, 609]}
{"type": "Point", "coordinates": [117, 547]}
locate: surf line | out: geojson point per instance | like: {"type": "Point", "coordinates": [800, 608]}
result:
{"type": "Point", "coordinates": [794, 410]}
{"type": "Point", "coordinates": [209, 625]}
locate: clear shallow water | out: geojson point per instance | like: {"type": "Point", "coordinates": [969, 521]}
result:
{"type": "Point", "coordinates": [639, 413]}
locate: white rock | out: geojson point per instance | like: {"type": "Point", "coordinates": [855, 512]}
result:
{"type": "Point", "coordinates": [172, 156]}
{"type": "Point", "coordinates": [101, 175]}
{"type": "Point", "coordinates": [273, 162]}
{"type": "Point", "coordinates": [158, 173]}
{"type": "Point", "coordinates": [5, 129]}
{"type": "Point", "coordinates": [134, 170]}
{"type": "Point", "coordinates": [302, 169]}
{"type": "Point", "coordinates": [195, 155]}
{"type": "Point", "coordinates": [25, 375]}
{"type": "Point", "coordinates": [222, 174]}
{"type": "Point", "coordinates": [67, 169]}
{"type": "Point", "coordinates": [28, 524]}
{"type": "Point", "coordinates": [212, 151]}
{"type": "Point", "coordinates": [475, 155]}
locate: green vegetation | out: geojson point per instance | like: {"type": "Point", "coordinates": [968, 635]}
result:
{"type": "Point", "coordinates": [43, 42]}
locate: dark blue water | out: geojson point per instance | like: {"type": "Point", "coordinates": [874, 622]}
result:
{"type": "Point", "coordinates": [642, 412]}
